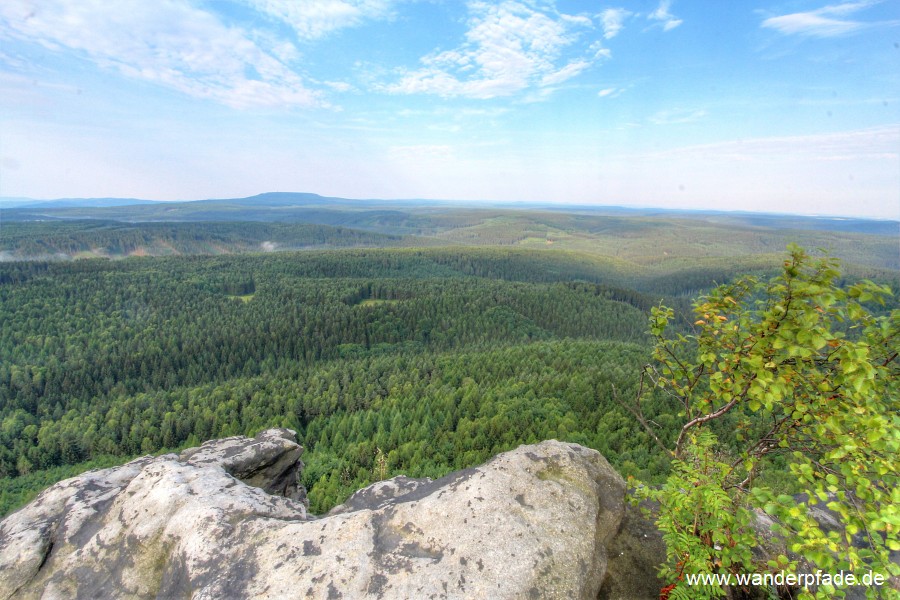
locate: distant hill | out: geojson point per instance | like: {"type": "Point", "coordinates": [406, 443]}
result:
{"type": "Point", "coordinates": [31, 203]}
{"type": "Point", "coordinates": [873, 226]}
{"type": "Point", "coordinates": [381, 214]}
{"type": "Point", "coordinates": [113, 239]}
{"type": "Point", "coordinates": [652, 238]}
{"type": "Point", "coordinates": [15, 202]}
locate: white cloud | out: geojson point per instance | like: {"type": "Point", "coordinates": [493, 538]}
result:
{"type": "Point", "coordinates": [567, 72]}
{"type": "Point", "coordinates": [165, 42]}
{"type": "Point", "coordinates": [455, 112]}
{"type": "Point", "coordinates": [338, 86]}
{"type": "Point", "coordinates": [509, 47]}
{"type": "Point", "coordinates": [823, 22]}
{"type": "Point", "coordinates": [600, 52]}
{"type": "Point", "coordinates": [613, 20]}
{"type": "Point", "coordinates": [313, 19]}
{"type": "Point", "coordinates": [577, 20]}
{"type": "Point", "coordinates": [662, 14]}
{"type": "Point", "coordinates": [611, 92]}
{"type": "Point", "coordinates": [676, 116]}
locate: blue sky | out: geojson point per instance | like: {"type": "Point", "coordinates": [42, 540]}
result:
{"type": "Point", "coordinates": [790, 106]}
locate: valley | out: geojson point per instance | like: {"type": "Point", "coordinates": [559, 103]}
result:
{"type": "Point", "coordinates": [428, 339]}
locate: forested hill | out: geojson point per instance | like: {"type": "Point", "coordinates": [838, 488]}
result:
{"type": "Point", "coordinates": [282, 221]}
{"type": "Point", "coordinates": [405, 214]}
{"type": "Point", "coordinates": [431, 358]}
{"type": "Point", "coordinates": [47, 240]}
{"type": "Point", "coordinates": [496, 328]}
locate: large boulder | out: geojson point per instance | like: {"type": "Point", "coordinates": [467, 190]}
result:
{"type": "Point", "coordinates": [534, 522]}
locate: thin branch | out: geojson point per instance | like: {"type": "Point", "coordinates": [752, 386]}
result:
{"type": "Point", "coordinates": [763, 446]}
{"type": "Point", "coordinates": [639, 415]}
{"type": "Point", "coordinates": [710, 416]}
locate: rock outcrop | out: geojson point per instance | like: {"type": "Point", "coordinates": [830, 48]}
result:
{"type": "Point", "coordinates": [533, 522]}
{"type": "Point", "coordinates": [270, 461]}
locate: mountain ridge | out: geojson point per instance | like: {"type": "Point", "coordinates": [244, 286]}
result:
{"type": "Point", "coordinates": [307, 199]}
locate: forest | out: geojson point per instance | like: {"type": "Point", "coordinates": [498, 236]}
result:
{"type": "Point", "coordinates": [408, 360]}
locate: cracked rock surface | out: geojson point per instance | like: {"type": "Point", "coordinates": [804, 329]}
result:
{"type": "Point", "coordinates": [207, 523]}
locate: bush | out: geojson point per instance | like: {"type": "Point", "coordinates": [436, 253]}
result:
{"type": "Point", "coordinates": [796, 371]}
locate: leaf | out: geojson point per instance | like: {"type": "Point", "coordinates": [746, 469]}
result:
{"type": "Point", "coordinates": [803, 357]}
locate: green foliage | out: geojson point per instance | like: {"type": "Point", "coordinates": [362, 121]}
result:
{"type": "Point", "coordinates": [18, 491]}
{"type": "Point", "coordinates": [412, 361]}
{"type": "Point", "coordinates": [75, 334]}
{"type": "Point", "coordinates": [707, 529]}
{"type": "Point", "coordinates": [438, 358]}
{"type": "Point", "coordinates": [794, 369]}
{"type": "Point", "coordinates": [429, 413]}
{"type": "Point", "coordinates": [93, 238]}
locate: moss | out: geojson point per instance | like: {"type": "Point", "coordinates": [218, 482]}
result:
{"type": "Point", "coordinates": [553, 471]}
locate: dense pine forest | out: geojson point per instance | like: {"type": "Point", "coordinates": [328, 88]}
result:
{"type": "Point", "coordinates": [93, 238]}
{"type": "Point", "coordinates": [384, 360]}
{"type": "Point", "coordinates": [433, 359]}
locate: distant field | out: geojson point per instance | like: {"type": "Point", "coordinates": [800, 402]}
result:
{"type": "Point", "coordinates": [660, 240]}
{"type": "Point", "coordinates": [243, 297]}
{"type": "Point", "coordinates": [375, 302]}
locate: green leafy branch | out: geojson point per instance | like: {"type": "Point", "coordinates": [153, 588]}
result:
{"type": "Point", "coordinates": [798, 368]}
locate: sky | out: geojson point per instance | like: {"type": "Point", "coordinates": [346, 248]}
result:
{"type": "Point", "coordinates": [777, 106]}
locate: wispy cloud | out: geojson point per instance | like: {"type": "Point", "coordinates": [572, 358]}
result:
{"type": "Point", "coordinates": [677, 116]}
{"type": "Point", "coordinates": [613, 20]}
{"type": "Point", "coordinates": [824, 22]}
{"type": "Point", "coordinates": [168, 43]}
{"type": "Point", "coordinates": [567, 72]}
{"type": "Point", "coordinates": [877, 143]}
{"type": "Point", "coordinates": [313, 19]}
{"type": "Point", "coordinates": [338, 86]}
{"type": "Point", "coordinates": [509, 47]}
{"type": "Point", "coordinates": [611, 92]}
{"type": "Point", "coordinates": [662, 14]}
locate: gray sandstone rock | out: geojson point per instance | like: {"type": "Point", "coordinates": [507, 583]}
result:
{"type": "Point", "coordinates": [270, 461]}
{"type": "Point", "coordinates": [534, 522]}
{"type": "Point", "coordinates": [380, 494]}
{"type": "Point", "coordinates": [150, 528]}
